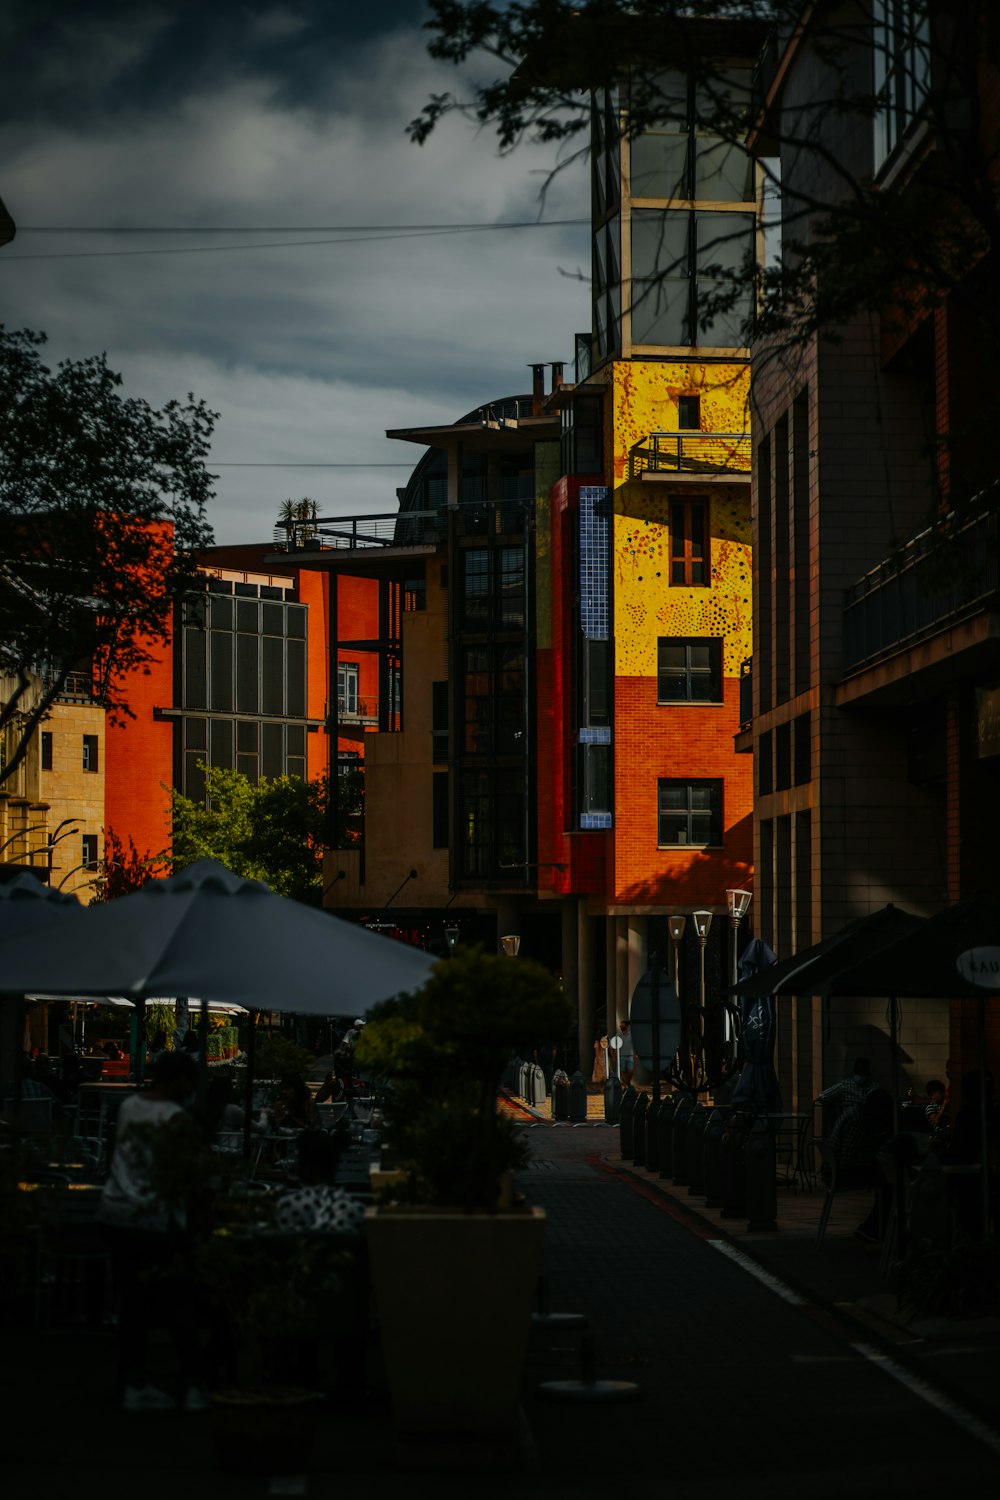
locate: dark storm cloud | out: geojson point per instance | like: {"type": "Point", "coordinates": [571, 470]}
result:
{"type": "Point", "coordinates": [99, 62]}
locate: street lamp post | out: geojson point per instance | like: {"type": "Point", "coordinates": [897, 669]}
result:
{"type": "Point", "coordinates": [702, 922]}
{"type": "Point", "coordinates": [451, 938]}
{"type": "Point", "coordinates": [739, 905]}
{"type": "Point", "coordinates": [675, 929]}
{"type": "Point", "coordinates": [511, 944]}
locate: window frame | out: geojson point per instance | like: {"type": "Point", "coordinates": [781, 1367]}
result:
{"type": "Point", "coordinates": [715, 813]}
{"type": "Point", "coordinates": [685, 559]}
{"type": "Point", "coordinates": [692, 674]}
{"type": "Point", "coordinates": [91, 754]}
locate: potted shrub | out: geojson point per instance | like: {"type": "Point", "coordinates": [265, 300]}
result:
{"type": "Point", "coordinates": [455, 1263]}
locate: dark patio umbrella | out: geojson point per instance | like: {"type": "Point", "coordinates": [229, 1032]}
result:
{"type": "Point", "coordinates": [28, 906]}
{"type": "Point", "coordinates": [757, 1085]}
{"type": "Point", "coordinates": [956, 957]}
{"type": "Point", "coordinates": [209, 933]}
{"type": "Point", "coordinates": [810, 971]}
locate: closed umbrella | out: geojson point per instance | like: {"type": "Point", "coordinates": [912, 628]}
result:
{"type": "Point", "coordinates": [757, 1085]}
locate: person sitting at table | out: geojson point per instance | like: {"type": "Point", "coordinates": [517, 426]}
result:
{"type": "Point", "coordinates": [316, 1203]}
{"type": "Point", "coordinates": [148, 1235]}
{"type": "Point", "coordinates": [294, 1108]}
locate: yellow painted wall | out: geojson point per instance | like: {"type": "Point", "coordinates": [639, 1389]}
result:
{"type": "Point", "coordinates": [643, 400]}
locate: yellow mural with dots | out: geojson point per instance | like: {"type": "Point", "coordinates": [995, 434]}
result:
{"type": "Point", "coordinates": [644, 399]}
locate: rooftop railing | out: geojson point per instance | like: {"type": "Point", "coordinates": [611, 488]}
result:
{"type": "Point", "coordinates": [708, 453]}
{"type": "Point", "coordinates": [413, 528]}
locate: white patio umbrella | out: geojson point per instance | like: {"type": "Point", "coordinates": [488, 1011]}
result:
{"type": "Point", "coordinates": [27, 905]}
{"type": "Point", "coordinates": [209, 933]}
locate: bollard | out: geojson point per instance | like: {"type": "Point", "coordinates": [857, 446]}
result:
{"type": "Point", "coordinates": [681, 1116]}
{"type": "Point", "coordinates": [577, 1097]}
{"type": "Point", "coordinates": [710, 1149]}
{"type": "Point", "coordinates": [626, 1115]}
{"type": "Point", "coordinates": [652, 1138]}
{"type": "Point", "coordinates": [536, 1087]}
{"type": "Point", "coordinates": [732, 1185]}
{"type": "Point", "coordinates": [695, 1155]}
{"type": "Point", "coordinates": [612, 1099]}
{"type": "Point", "coordinates": [760, 1176]}
{"type": "Point", "coordinates": [522, 1080]}
{"type": "Point", "coordinates": [665, 1134]}
{"type": "Point", "coordinates": [560, 1096]}
{"type": "Point", "coordinates": [639, 1130]}
{"type": "Point", "coordinates": [511, 1074]}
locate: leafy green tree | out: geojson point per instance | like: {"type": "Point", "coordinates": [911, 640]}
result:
{"type": "Point", "coordinates": [102, 508]}
{"type": "Point", "coordinates": [263, 830]}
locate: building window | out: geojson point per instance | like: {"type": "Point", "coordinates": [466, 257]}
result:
{"type": "Point", "coordinates": [680, 260]}
{"type": "Point", "coordinates": [347, 688]}
{"type": "Point", "coordinates": [594, 782]}
{"type": "Point", "coordinates": [46, 750]}
{"type": "Point", "coordinates": [90, 752]}
{"type": "Point", "coordinates": [690, 670]}
{"type": "Point", "coordinates": [690, 813]}
{"type": "Point", "coordinates": [439, 811]}
{"type": "Point", "coordinates": [802, 750]}
{"type": "Point", "coordinates": [689, 550]}
{"type": "Point", "coordinates": [689, 413]}
{"type": "Point", "coordinates": [901, 70]}
{"type": "Point", "coordinates": [89, 842]}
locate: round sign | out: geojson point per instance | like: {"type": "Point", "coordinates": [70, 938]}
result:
{"type": "Point", "coordinates": [981, 967]}
{"type": "Point", "coordinates": [614, 1042]}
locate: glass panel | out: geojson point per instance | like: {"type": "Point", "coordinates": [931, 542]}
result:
{"type": "Point", "coordinates": [673, 795]}
{"type": "Point", "coordinates": [248, 766]}
{"type": "Point", "coordinates": [295, 738]}
{"type": "Point", "coordinates": [248, 674]}
{"type": "Point", "coordinates": [296, 685]}
{"type": "Point", "coordinates": [221, 670]}
{"type": "Point", "coordinates": [221, 738]}
{"type": "Point", "coordinates": [194, 776]}
{"type": "Point", "coordinates": [600, 261]}
{"type": "Point", "coordinates": [295, 621]}
{"type": "Point", "coordinates": [673, 828]}
{"type": "Point", "coordinates": [476, 579]}
{"type": "Point", "coordinates": [272, 750]}
{"type": "Point", "coordinates": [510, 712]}
{"type": "Point", "coordinates": [660, 164]}
{"type": "Point", "coordinates": [477, 701]}
{"type": "Point", "coordinates": [273, 619]}
{"type": "Point", "coordinates": [660, 311]}
{"type": "Point", "coordinates": [196, 734]}
{"type": "Point", "coordinates": [660, 242]}
{"type": "Point", "coordinates": [511, 588]}
{"type": "Point", "coordinates": [672, 656]}
{"type": "Point", "coordinates": [673, 686]}
{"type": "Point", "coordinates": [272, 668]}
{"type": "Point", "coordinates": [246, 738]}
{"type": "Point", "coordinates": [195, 673]}
{"type": "Point", "coordinates": [247, 619]}
{"type": "Point", "coordinates": [701, 656]}
{"type": "Point", "coordinates": [296, 767]}
{"type": "Point", "coordinates": [220, 613]}
{"type": "Point", "coordinates": [723, 171]}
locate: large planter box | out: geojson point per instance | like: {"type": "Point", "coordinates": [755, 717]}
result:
{"type": "Point", "coordinates": [454, 1294]}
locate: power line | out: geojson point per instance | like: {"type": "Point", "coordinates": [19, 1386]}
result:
{"type": "Point", "coordinates": [284, 228]}
{"type": "Point", "coordinates": [372, 464]}
{"type": "Point", "coordinates": [432, 232]}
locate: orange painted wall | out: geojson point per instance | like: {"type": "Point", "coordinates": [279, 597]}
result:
{"type": "Point", "coordinates": [138, 760]}
{"type": "Point", "coordinates": [357, 620]}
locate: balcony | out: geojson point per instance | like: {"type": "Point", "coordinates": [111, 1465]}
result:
{"type": "Point", "coordinates": [357, 711]}
{"type": "Point", "coordinates": [710, 456]}
{"type": "Point", "coordinates": [945, 574]}
{"type": "Point", "coordinates": [746, 695]}
{"type": "Point", "coordinates": [413, 528]}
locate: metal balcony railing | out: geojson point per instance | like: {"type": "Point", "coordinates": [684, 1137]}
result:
{"type": "Point", "coordinates": [357, 710]}
{"type": "Point", "coordinates": [708, 453]}
{"type": "Point", "coordinates": [412, 528]}
{"type": "Point", "coordinates": [947, 572]}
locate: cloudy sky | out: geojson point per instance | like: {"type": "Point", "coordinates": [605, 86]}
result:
{"type": "Point", "coordinates": [215, 119]}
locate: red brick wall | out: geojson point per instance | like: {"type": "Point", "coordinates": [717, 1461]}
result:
{"type": "Point", "coordinates": [138, 760]}
{"type": "Point", "coordinates": [653, 741]}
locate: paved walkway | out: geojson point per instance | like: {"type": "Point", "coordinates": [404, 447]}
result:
{"type": "Point", "coordinates": [763, 1367]}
